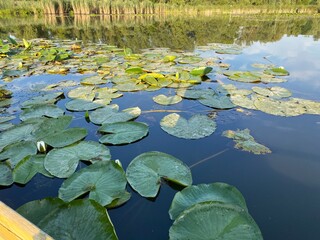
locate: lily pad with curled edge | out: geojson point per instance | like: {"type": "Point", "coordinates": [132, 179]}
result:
{"type": "Point", "coordinates": [104, 181]}
{"type": "Point", "coordinates": [201, 71]}
{"type": "Point", "coordinates": [167, 100]}
{"type": "Point", "coordinates": [288, 108]}
{"type": "Point", "coordinates": [80, 219]}
{"type": "Point", "coordinates": [110, 114]}
{"type": "Point", "coordinates": [277, 71]}
{"type": "Point", "coordinates": [214, 220]}
{"type": "Point", "coordinates": [42, 99]}
{"type": "Point", "coordinates": [65, 137]}
{"type": "Point", "coordinates": [6, 178]}
{"type": "Point", "coordinates": [62, 162]}
{"type": "Point", "coordinates": [134, 70]}
{"type": "Point", "coordinates": [246, 142]}
{"type": "Point", "coordinates": [41, 110]}
{"type": "Point", "coordinates": [28, 167]}
{"type": "Point", "coordinates": [198, 126]}
{"type": "Point", "coordinates": [216, 101]}
{"type": "Point", "coordinates": [15, 152]}
{"type": "Point", "coordinates": [145, 171]}
{"type": "Point", "coordinates": [79, 105]}
{"type": "Point", "coordinates": [220, 192]}
{"type": "Point", "coordinates": [123, 132]}
{"type": "Point", "coordinates": [273, 92]}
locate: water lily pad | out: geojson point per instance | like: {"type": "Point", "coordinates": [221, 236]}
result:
{"type": "Point", "coordinates": [216, 101]}
{"type": "Point", "coordinates": [213, 220]}
{"type": "Point", "coordinates": [273, 92]}
{"type": "Point", "coordinates": [277, 71]}
{"type": "Point", "coordinates": [145, 171]}
{"type": "Point", "coordinates": [201, 71]}
{"type": "Point", "coordinates": [167, 100]}
{"type": "Point", "coordinates": [130, 87]}
{"type": "Point", "coordinates": [220, 192]}
{"type": "Point", "coordinates": [123, 132]}
{"type": "Point", "coordinates": [28, 168]}
{"type": "Point", "coordinates": [311, 107]}
{"type": "Point", "coordinates": [248, 77]}
{"type": "Point", "coordinates": [83, 92]}
{"type": "Point", "coordinates": [243, 101]}
{"type": "Point", "coordinates": [189, 59]}
{"type": "Point", "coordinates": [16, 134]}
{"type": "Point", "coordinates": [14, 153]}
{"type": "Point", "coordinates": [40, 111]}
{"type": "Point", "coordinates": [62, 162]}
{"type": "Point", "coordinates": [6, 178]}
{"type": "Point", "coordinates": [198, 126]}
{"type": "Point", "coordinates": [43, 99]}
{"type": "Point", "coordinates": [104, 181]}
{"type": "Point", "coordinates": [66, 220]}
{"type": "Point", "coordinates": [80, 105]}
{"type": "Point", "coordinates": [65, 137]}
{"type": "Point", "coordinates": [281, 108]}
{"type": "Point", "coordinates": [194, 93]}
{"type": "Point", "coordinates": [110, 114]}
{"type": "Point", "coordinates": [246, 142]}
{"type": "Point", "coordinates": [134, 70]}
{"type": "Point", "coordinates": [93, 80]}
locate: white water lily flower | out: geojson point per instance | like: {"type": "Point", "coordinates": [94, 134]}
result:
{"type": "Point", "coordinates": [118, 162]}
{"type": "Point", "coordinates": [41, 146]}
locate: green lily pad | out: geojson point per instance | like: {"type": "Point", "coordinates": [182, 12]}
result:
{"type": "Point", "coordinates": [164, 100]}
{"type": "Point", "coordinates": [50, 98]}
{"type": "Point", "coordinates": [277, 71]}
{"type": "Point", "coordinates": [83, 92]}
{"type": "Point", "coordinates": [213, 220]}
{"type": "Point", "coordinates": [14, 153]}
{"type": "Point", "coordinates": [123, 132]}
{"type": "Point", "coordinates": [66, 137]}
{"type": "Point", "coordinates": [104, 181]}
{"type": "Point", "coordinates": [145, 171]}
{"type": "Point", "coordinates": [198, 126]}
{"type": "Point", "coordinates": [273, 92]}
{"type": "Point", "coordinates": [246, 142]}
{"type": "Point", "coordinates": [201, 71]}
{"type": "Point", "coordinates": [28, 168]}
{"type": "Point", "coordinates": [16, 134]}
{"type": "Point", "coordinates": [280, 108]}
{"type": "Point", "coordinates": [311, 107]}
{"type": "Point", "coordinates": [62, 162]}
{"type": "Point", "coordinates": [80, 105]}
{"type": "Point", "coordinates": [216, 101]}
{"type": "Point", "coordinates": [93, 80]}
{"type": "Point", "coordinates": [189, 59]}
{"type": "Point", "coordinates": [40, 111]}
{"type": "Point", "coordinates": [66, 220]}
{"type": "Point", "coordinates": [134, 70]}
{"type": "Point", "coordinates": [110, 114]}
{"type": "Point", "coordinates": [130, 87]}
{"type": "Point", "coordinates": [6, 178]}
{"type": "Point", "coordinates": [194, 93]}
{"type": "Point", "coordinates": [243, 101]}
{"type": "Point", "coordinates": [51, 126]}
{"type": "Point", "coordinates": [248, 77]}
{"type": "Point", "coordinates": [220, 192]}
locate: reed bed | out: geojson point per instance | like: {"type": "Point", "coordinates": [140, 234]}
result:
{"type": "Point", "coordinates": [142, 7]}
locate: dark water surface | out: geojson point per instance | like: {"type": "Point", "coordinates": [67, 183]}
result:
{"type": "Point", "coordinates": [282, 189]}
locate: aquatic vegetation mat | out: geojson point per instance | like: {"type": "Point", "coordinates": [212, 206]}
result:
{"type": "Point", "coordinates": [36, 137]}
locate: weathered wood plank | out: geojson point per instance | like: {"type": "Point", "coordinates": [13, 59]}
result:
{"type": "Point", "coordinates": [13, 226]}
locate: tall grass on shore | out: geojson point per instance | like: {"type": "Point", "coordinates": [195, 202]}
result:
{"type": "Point", "coordinates": [142, 7]}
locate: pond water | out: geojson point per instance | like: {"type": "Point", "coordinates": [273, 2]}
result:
{"type": "Point", "coordinates": [282, 189]}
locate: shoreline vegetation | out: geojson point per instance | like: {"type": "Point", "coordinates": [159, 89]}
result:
{"type": "Point", "coordinates": [162, 7]}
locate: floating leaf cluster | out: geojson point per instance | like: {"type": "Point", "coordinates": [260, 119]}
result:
{"type": "Point", "coordinates": [246, 142]}
{"type": "Point", "coordinates": [110, 72]}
